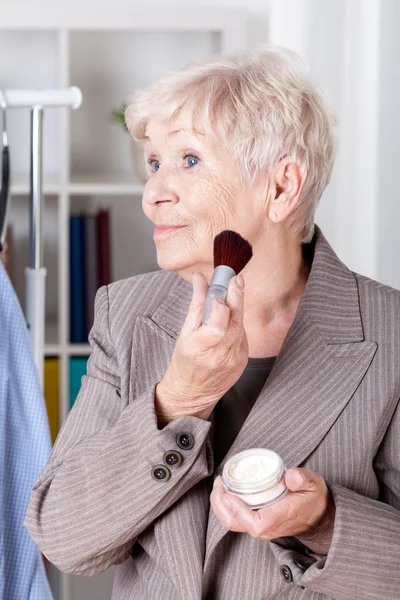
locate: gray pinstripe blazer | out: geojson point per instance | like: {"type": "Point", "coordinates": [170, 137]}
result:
{"type": "Point", "coordinates": [329, 405]}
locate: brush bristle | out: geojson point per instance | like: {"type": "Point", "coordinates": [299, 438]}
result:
{"type": "Point", "coordinates": [232, 250]}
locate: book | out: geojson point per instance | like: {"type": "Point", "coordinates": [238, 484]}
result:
{"type": "Point", "coordinates": [91, 267]}
{"type": "Point", "coordinates": [77, 368]}
{"type": "Point", "coordinates": [78, 328]}
{"type": "Point", "coordinates": [103, 237]}
{"type": "Point", "coordinates": [51, 386]}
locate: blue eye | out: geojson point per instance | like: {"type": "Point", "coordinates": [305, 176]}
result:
{"type": "Point", "coordinates": [154, 165]}
{"type": "Point", "coordinates": [191, 161]}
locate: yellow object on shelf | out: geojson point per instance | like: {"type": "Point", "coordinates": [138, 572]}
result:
{"type": "Point", "coordinates": [51, 393]}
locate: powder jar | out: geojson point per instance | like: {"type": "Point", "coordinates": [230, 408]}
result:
{"type": "Point", "coordinates": [256, 476]}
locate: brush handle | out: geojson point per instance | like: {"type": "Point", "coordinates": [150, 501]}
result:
{"type": "Point", "coordinates": [218, 288]}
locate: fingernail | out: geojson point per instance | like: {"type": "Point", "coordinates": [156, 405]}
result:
{"type": "Point", "coordinates": [299, 479]}
{"type": "Point", "coordinates": [240, 281]}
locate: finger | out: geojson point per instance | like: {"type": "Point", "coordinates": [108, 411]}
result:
{"type": "Point", "coordinates": [217, 324]}
{"type": "Point", "coordinates": [235, 302]}
{"type": "Point", "coordinates": [277, 520]}
{"type": "Point", "coordinates": [221, 504]}
{"type": "Point", "coordinates": [233, 513]}
{"type": "Point", "coordinates": [302, 480]}
{"type": "Point", "coordinates": [280, 519]}
{"type": "Point", "coordinates": [195, 312]}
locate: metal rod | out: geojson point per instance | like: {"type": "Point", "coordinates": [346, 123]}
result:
{"type": "Point", "coordinates": [36, 189]}
{"type": "Point", "coordinates": [71, 97]}
{"type": "Point", "coordinates": [3, 106]}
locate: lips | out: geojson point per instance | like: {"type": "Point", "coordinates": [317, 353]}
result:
{"type": "Point", "coordinates": [162, 229]}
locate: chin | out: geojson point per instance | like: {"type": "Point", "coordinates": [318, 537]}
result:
{"type": "Point", "coordinates": [171, 263]}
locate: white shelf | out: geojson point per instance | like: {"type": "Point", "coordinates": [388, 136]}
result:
{"type": "Point", "coordinates": [78, 349]}
{"type": "Point", "coordinates": [52, 347]}
{"type": "Point", "coordinates": [20, 184]}
{"type": "Point", "coordinates": [104, 184]}
{"type": "Point", "coordinates": [81, 184]}
{"type": "Point", "coordinates": [52, 350]}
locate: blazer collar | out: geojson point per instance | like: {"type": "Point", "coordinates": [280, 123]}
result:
{"type": "Point", "coordinates": [330, 298]}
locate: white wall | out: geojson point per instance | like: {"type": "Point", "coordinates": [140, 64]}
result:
{"type": "Point", "coordinates": [353, 48]}
{"type": "Point", "coordinates": [388, 196]}
{"type": "Point", "coordinates": [257, 13]}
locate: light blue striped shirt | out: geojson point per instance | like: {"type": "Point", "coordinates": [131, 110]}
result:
{"type": "Point", "coordinates": [25, 446]}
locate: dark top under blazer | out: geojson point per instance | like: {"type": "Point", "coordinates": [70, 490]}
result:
{"type": "Point", "coordinates": [330, 405]}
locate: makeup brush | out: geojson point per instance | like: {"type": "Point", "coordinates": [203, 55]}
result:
{"type": "Point", "coordinates": [231, 255]}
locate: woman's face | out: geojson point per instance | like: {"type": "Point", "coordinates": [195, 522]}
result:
{"type": "Point", "coordinates": [194, 184]}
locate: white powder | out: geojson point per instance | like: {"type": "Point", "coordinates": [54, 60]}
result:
{"type": "Point", "coordinates": [254, 468]}
{"type": "Point", "coordinates": [259, 475]}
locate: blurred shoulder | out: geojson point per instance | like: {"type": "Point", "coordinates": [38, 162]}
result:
{"type": "Point", "coordinates": [370, 288]}
{"type": "Point", "coordinates": [379, 304]}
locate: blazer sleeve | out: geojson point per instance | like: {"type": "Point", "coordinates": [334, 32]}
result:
{"type": "Point", "coordinates": [364, 556]}
{"type": "Point", "coordinates": [96, 494]}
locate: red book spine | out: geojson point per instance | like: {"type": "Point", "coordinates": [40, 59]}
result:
{"type": "Point", "coordinates": [103, 239]}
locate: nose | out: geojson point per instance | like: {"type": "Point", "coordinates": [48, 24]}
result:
{"type": "Point", "coordinates": [160, 188]}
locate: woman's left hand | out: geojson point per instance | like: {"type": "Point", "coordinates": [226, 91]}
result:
{"type": "Point", "coordinates": [306, 511]}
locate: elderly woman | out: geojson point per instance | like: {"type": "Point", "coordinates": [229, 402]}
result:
{"type": "Point", "coordinates": [303, 358]}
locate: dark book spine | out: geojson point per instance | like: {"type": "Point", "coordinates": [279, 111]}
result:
{"type": "Point", "coordinates": [103, 238]}
{"type": "Point", "coordinates": [91, 267]}
{"type": "Point", "coordinates": [77, 281]}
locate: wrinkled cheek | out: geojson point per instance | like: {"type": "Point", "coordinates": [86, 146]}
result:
{"type": "Point", "coordinates": [215, 205]}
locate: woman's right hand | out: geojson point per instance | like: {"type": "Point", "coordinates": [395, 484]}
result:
{"type": "Point", "coordinates": [208, 359]}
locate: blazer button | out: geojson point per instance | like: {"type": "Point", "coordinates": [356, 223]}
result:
{"type": "Point", "coordinates": [160, 473]}
{"type": "Point", "coordinates": [286, 573]}
{"type": "Point", "coordinates": [185, 441]}
{"type": "Point", "coordinates": [172, 459]}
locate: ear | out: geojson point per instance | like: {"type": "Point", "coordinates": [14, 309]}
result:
{"type": "Point", "coordinates": [288, 179]}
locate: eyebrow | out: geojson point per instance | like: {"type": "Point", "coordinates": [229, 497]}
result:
{"type": "Point", "coordinates": [171, 133]}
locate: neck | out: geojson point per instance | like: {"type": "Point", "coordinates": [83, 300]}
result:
{"type": "Point", "coordinates": [275, 279]}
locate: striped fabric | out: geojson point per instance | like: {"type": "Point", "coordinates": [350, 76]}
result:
{"type": "Point", "coordinates": [329, 405]}
{"type": "Point", "coordinates": [25, 447]}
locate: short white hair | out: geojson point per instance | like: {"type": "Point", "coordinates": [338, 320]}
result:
{"type": "Point", "coordinates": [262, 105]}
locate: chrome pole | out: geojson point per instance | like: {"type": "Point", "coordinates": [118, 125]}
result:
{"type": "Point", "coordinates": [36, 273]}
{"type": "Point", "coordinates": [36, 189]}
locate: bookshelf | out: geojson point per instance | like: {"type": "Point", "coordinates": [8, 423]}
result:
{"type": "Point", "coordinates": [87, 162]}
